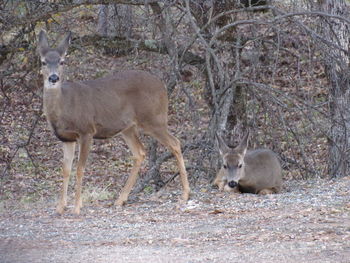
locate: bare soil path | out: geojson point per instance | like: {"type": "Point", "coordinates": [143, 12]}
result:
{"type": "Point", "coordinates": [308, 222]}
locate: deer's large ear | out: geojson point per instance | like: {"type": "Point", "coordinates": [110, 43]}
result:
{"type": "Point", "coordinates": [242, 147]}
{"type": "Point", "coordinates": [43, 44]}
{"type": "Point", "coordinates": [63, 45]}
{"type": "Point", "coordinates": [223, 148]}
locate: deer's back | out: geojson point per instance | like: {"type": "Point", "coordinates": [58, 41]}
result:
{"type": "Point", "coordinates": [109, 105]}
{"type": "Point", "coordinates": [134, 92]}
{"type": "Point", "coordinates": [263, 169]}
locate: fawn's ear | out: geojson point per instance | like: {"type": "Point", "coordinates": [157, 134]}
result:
{"type": "Point", "coordinates": [243, 145]}
{"type": "Point", "coordinates": [63, 45]}
{"type": "Point", "coordinates": [43, 44]}
{"type": "Point", "coordinates": [223, 148]}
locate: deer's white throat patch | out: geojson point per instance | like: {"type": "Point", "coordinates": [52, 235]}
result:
{"type": "Point", "coordinates": [49, 85]}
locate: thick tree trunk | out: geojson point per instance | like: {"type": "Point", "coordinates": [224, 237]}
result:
{"type": "Point", "coordinates": [337, 69]}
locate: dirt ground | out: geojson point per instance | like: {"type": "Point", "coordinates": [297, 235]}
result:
{"type": "Point", "coordinates": [308, 222]}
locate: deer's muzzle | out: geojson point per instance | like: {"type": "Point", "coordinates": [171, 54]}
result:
{"type": "Point", "coordinates": [232, 184]}
{"type": "Point", "coordinates": [54, 78]}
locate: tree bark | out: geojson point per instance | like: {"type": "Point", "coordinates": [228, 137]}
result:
{"type": "Point", "coordinates": [115, 20]}
{"type": "Point", "coordinates": [102, 24]}
{"type": "Point", "coordinates": [337, 69]}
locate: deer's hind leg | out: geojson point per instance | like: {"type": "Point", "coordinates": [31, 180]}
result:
{"type": "Point", "coordinates": [68, 157]}
{"type": "Point", "coordinates": [173, 144]}
{"type": "Point", "coordinates": [130, 136]}
{"type": "Point", "coordinates": [267, 191]}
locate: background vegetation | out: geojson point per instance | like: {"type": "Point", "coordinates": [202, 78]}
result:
{"type": "Point", "coordinates": [277, 68]}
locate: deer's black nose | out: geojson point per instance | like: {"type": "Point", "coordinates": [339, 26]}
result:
{"type": "Point", "coordinates": [54, 78]}
{"type": "Point", "coordinates": [232, 184]}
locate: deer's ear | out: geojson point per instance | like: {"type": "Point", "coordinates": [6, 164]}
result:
{"type": "Point", "coordinates": [43, 44]}
{"type": "Point", "coordinates": [63, 45]}
{"type": "Point", "coordinates": [223, 148]}
{"type": "Point", "coordinates": [243, 145]}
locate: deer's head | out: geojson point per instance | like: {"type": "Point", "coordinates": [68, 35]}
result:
{"type": "Point", "coordinates": [52, 60]}
{"type": "Point", "coordinates": [233, 160]}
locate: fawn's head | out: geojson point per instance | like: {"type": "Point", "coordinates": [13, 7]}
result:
{"type": "Point", "coordinates": [52, 60]}
{"type": "Point", "coordinates": [233, 160]}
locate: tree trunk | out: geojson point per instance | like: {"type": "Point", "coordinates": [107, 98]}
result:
{"type": "Point", "coordinates": [337, 69]}
{"type": "Point", "coordinates": [115, 20]}
{"type": "Point", "coordinates": [102, 24]}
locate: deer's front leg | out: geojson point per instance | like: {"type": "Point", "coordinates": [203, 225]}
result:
{"type": "Point", "coordinates": [84, 149]}
{"type": "Point", "coordinates": [220, 179]}
{"type": "Point", "coordinates": [68, 156]}
{"type": "Point", "coordinates": [232, 190]}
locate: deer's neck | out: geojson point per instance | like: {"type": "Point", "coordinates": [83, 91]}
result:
{"type": "Point", "coordinates": [247, 178]}
{"type": "Point", "coordinates": [52, 102]}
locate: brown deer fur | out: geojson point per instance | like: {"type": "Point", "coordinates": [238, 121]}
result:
{"type": "Point", "coordinates": [79, 111]}
{"type": "Point", "coordinates": [253, 171]}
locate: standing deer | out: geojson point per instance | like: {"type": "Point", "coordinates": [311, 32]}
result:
{"type": "Point", "coordinates": [256, 171]}
{"type": "Point", "coordinates": [80, 111]}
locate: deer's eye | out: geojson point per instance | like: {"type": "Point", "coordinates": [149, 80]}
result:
{"type": "Point", "coordinates": [61, 63]}
{"type": "Point", "coordinates": [225, 166]}
{"type": "Point", "coordinates": [240, 166]}
{"type": "Point", "coordinates": [43, 63]}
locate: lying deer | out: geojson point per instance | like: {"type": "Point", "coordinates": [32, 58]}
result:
{"type": "Point", "coordinates": [80, 111]}
{"type": "Point", "coordinates": [256, 171]}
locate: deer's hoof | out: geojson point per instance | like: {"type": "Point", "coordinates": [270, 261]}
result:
{"type": "Point", "coordinates": [185, 196]}
{"type": "Point", "coordinates": [265, 192]}
{"type": "Point", "coordinates": [120, 202]}
{"type": "Point", "coordinates": [60, 210]}
{"type": "Point", "coordinates": [76, 211]}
